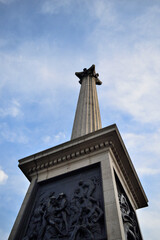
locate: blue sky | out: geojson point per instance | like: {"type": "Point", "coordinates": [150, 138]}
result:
{"type": "Point", "coordinates": [42, 44]}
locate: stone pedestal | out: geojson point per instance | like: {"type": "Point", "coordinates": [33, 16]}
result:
{"type": "Point", "coordinates": [86, 188]}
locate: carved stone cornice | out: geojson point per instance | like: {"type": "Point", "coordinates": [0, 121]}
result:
{"type": "Point", "coordinates": [106, 138]}
{"type": "Point", "coordinates": [52, 161]}
{"type": "Point", "coordinates": [125, 175]}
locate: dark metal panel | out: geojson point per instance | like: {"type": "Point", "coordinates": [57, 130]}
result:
{"type": "Point", "coordinates": [130, 222]}
{"type": "Point", "coordinates": [69, 207]}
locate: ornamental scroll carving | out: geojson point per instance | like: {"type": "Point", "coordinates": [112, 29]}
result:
{"type": "Point", "coordinates": [129, 218]}
{"type": "Point", "coordinates": [76, 217]}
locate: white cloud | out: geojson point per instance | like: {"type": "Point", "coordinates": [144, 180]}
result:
{"type": "Point", "coordinates": [10, 135]}
{"type": "Point", "coordinates": [128, 60]}
{"type": "Point", "coordinates": [18, 184]}
{"type": "Point", "coordinates": [146, 142]}
{"type": "Point", "coordinates": [47, 139]}
{"type": "Point", "coordinates": [148, 171]}
{"type": "Point", "coordinates": [7, 1]}
{"type": "Point", "coordinates": [135, 83]}
{"type": "Point", "coordinates": [150, 220]}
{"type": "Point", "coordinates": [103, 11]}
{"type": "Point", "coordinates": [146, 23]}
{"type": "Point", "coordinates": [3, 177]}
{"type": "Point", "coordinates": [55, 6]}
{"type": "Point", "coordinates": [56, 139]}
{"type": "Point", "coordinates": [144, 151]}
{"type": "Point", "coordinates": [34, 72]}
{"type": "Point", "coordinates": [60, 136]}
{"type": "Point", "coordinates": [12, 110]}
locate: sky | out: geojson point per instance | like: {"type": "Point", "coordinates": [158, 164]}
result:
{"type": "Point", "coordinates": [42, 44]}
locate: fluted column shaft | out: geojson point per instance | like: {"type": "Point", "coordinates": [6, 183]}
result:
{"type": "Point", "coordinates": [87, 117]}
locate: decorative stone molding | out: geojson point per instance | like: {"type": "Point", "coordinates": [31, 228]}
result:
{"type": "Point", "coordinates": [86, 151]}
{"type": "Point", "coordinates": [71, 156]}
{"type": "Point", "coordinates": [122, 167]}
{"type": "Point", "coordinates": [100, 140]}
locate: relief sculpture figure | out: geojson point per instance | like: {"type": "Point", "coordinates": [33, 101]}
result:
{"type": "Point", "coordinates": [88, 212]}
{"type": "Point", "coordinates": [58, 217]}
{"type": "Point", "coordinates": [62, 201]}
{"type": "Point", "coordinates": [35, 230]}
{"type": "Point", "coordinates": [53, 220]}
{"type": "Point", "coordinates": [129, 219]}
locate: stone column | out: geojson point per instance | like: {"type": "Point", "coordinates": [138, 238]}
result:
{"type": "Point", "coordinates": [87, 117]}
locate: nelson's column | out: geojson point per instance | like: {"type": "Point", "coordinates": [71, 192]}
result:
{"type": "Point", "coordinates": [86, 188]}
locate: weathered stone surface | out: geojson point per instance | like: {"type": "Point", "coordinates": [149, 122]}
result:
{"type": "Point", "coordinates": [87, 117]}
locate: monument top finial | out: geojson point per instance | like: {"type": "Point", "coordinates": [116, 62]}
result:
{"type": "Point", "coordinates": [88, 72]}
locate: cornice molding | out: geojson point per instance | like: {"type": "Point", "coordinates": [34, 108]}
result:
{"type": "Point", "coordinates": [125, 175]}
{"type": "Point", "coordinates": [75, 149]}
{"type": "Point", "coordinates": [49, 163]}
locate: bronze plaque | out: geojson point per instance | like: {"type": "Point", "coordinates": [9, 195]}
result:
{"type": "Point", "coordinates": [130, 223]}
{"type": "Point", "coordinates": [69, 207]}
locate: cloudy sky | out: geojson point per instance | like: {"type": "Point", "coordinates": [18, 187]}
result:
{"type": "Point", "coordinates": [42, 44]}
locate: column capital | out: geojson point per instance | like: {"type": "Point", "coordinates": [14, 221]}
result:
{"type": "Point", "coordinates": [88, 72]}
